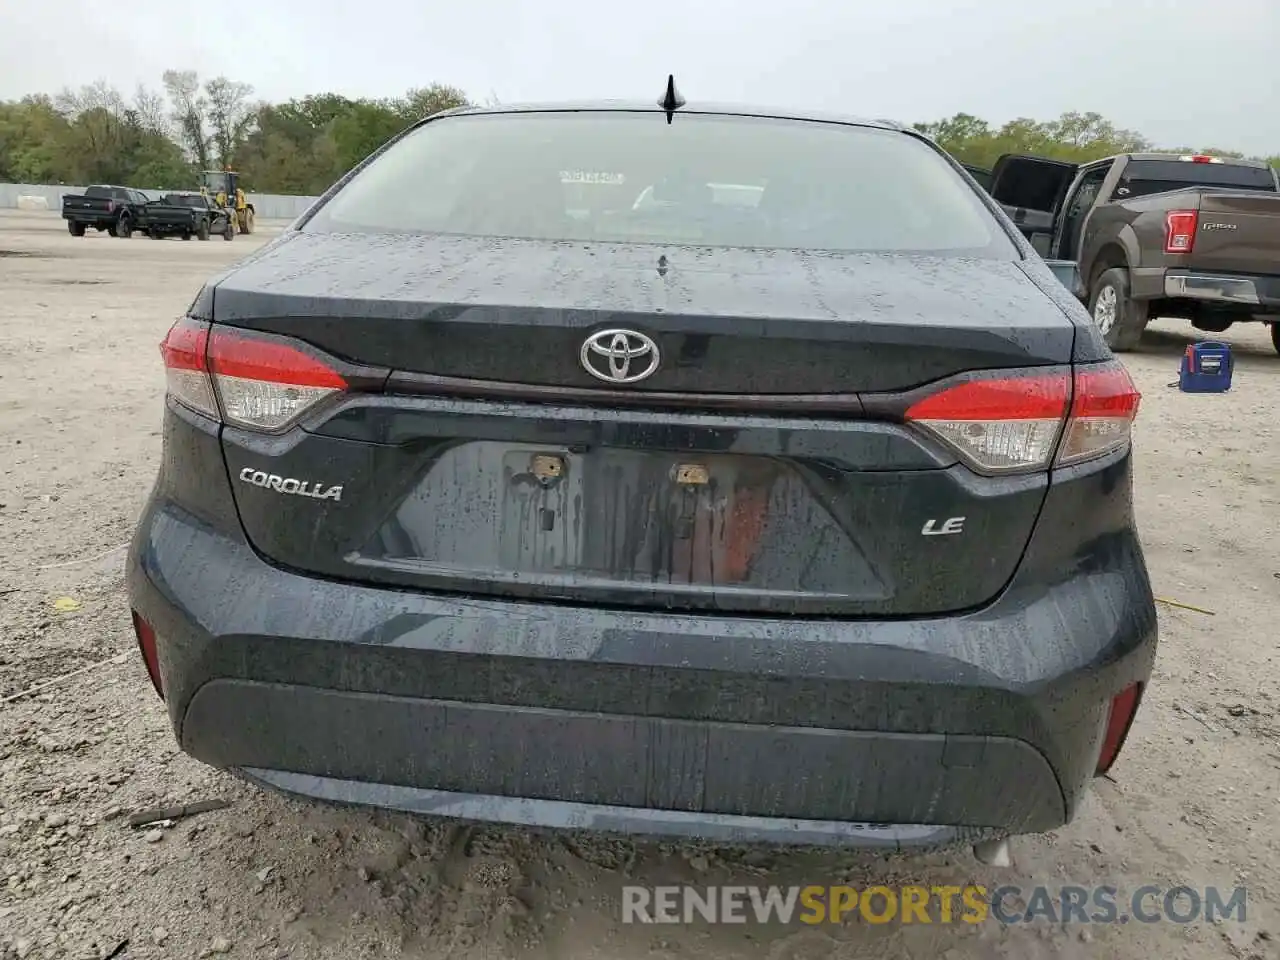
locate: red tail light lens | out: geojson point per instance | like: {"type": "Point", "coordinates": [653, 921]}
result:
{"type": "Point", "coordinates": [1014, 424]}
{"type": "Point", "coordinates": [1124, 707]}
{"type": "Point", "coordinates": [248, 379]}
{"type": "Point", "coordinates": [1102, 413]}
{"type": "Point", "coordinates": [999, 425]}
{"type": "Point", "coordinates": [1180, 230]}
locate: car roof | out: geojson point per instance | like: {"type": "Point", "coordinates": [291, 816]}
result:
{"type": "Point", "coordinates": [640, 106]}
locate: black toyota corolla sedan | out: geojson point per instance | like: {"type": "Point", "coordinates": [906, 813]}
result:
{"type": "Point", "coordinates": [667, 469]}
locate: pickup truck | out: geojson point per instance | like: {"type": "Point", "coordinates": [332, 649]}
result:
{"type": "Point", "coordinates": [185, 215]}
{"type": "Point", "coordinates": [1155, 235]}
{"type": "Point", "coordinates": [103, 207]}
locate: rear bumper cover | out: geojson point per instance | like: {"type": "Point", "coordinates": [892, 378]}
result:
{"type": "Point", "coordinates": [804, 731]}
{"type": "Point", "coordinates": [889, 732]}
{"type": "Point", "coordinates": [1243, 291]}
{"type": "Point", "coordinates": [1232, 291]}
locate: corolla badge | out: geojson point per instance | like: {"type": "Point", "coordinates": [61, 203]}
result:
{"type": "Point", "coordinates": [619, 356]}
{"type": "Point", "coordinates": [290, 485]}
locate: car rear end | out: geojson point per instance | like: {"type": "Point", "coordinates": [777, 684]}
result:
{"type": "Point", "coordinates": [172, 213]}
{"type": "Point", "coordinates": [1212, 229]}
{"type": "Point", "coordinates": [782, 504]}
{"type": "Point", "coordinates": [96, 205]}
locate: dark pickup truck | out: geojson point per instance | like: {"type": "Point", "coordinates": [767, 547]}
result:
{"type": "Point", "coordinates": [1155, 235]}
{"type": "Point", "coordinates": [185, 215]}
{"type": "Point", "coordinates": [103, 207]}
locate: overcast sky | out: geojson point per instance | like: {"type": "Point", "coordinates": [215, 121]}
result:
{"type": "Point", "coordinates": [1180, 71]}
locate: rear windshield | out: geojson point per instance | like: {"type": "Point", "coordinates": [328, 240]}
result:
{"type": "Point", "coordinates": [706, 179]}
{"type": "Point", "coordinates": [107, 192]}
{"type": "Point", "coordinates": [1144, 177]}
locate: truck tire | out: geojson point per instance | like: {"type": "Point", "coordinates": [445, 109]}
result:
{"type": "Point", "coordinates": [1119, 318]}
{"type": "Point", "coordinates": [1275, 335]}
{"type": "Point", "coordinates": [202, 229]}
{"type": "Point", "coordinates": [75, 229]}
{"type": "Point", "coordinates": [124, 227]}
{"type": "Point", "coordinates": [186, 234]}
{"type": "Point", "coordinates": [245, 220]}
{"type": "Point", "coordinates": [229, 231]}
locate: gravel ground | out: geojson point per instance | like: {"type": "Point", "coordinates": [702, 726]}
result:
{"type": "Point", "coordinates": [1194, 799]}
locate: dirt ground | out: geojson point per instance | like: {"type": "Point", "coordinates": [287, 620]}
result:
{"type": "Point", "coordinates": [1195, 799]}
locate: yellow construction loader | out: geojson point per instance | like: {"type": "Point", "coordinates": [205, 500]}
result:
{"type": "Point", "coordinates": [223, 186]}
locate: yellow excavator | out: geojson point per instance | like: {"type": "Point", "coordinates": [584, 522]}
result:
{"type": "Point", "coordinates": [223, 186]}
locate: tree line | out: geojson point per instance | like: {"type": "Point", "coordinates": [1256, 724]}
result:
{"type": "Point", "coordinates": [160, 139]}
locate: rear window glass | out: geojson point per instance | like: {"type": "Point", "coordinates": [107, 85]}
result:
{"type": "Point", "coordinates": [107, 192]}
{"type": "Point", "coordinates": [1144, 177]}
{"type": "Point", "coordinates": [981, 174]}
{"type": "Point", "coordinates": [713, 180]}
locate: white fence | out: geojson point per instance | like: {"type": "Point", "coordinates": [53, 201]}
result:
{"type": "Point", "coordinates": [39, 196]}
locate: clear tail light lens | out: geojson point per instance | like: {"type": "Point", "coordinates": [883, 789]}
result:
{"type": "Point", "coordinates": [1018, 424]}
{"type": "Point", "coordinates": [248, 379]}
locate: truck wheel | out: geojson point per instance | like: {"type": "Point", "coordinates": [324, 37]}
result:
{"type": "Point", "coordinates": [124, 228]}
{"type": "Point", "coordinates": [1275, 335]}
{"type": "Point", "coordinates": [186, 234]}
{"type": "Point", "coordinates": [154, 233]}
{"type": "Point", "coordinates": [1119, 318]}
{"type": "Point", "coordinates": [75, 229]}
{"type": "Point", "coordinates": [202, 230]}
{"type": "Point", "coordinates": [229, 231]}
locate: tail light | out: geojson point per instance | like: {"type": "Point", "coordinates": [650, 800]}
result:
{"type": "Point", "coordinates": [1124, 707]}
{"type": "Point", "coordinates": [186, 368]}
{"type": "Point", "coordinates": [247, 379]}
{"type": "Point", "coordinates": [1180, 230]}
{"type": "Point", "coordinates": [1103, 409]}
{"type": "Point", "coordinates": [1016, 424]}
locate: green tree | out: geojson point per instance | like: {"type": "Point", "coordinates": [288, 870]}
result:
{"type": "Point", "coordinates": [190, 107]}
{"type": "Point", "coordinates": [230, 117]}
{"type": "Point", "coordinates": [302, 146]}
{"type": "Point", "coordinates": [33, 138]}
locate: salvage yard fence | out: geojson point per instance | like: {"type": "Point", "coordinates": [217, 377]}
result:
{"type": "Point", "coordinates": [43, 196]}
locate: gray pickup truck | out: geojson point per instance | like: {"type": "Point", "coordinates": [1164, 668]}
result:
{"type": "Point", "coordinates": [1155, 235]}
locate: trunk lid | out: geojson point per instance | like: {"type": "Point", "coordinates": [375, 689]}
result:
{"type": "Point", "coordinates": [1239, 231]}
{"type": "Point", "coordinates": [742, 476]}
{"type": "Point", "coordinates": [725, 321]}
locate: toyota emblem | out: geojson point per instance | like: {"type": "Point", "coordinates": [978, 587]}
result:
{"type": "Point", "coordinates": [619, 356]}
